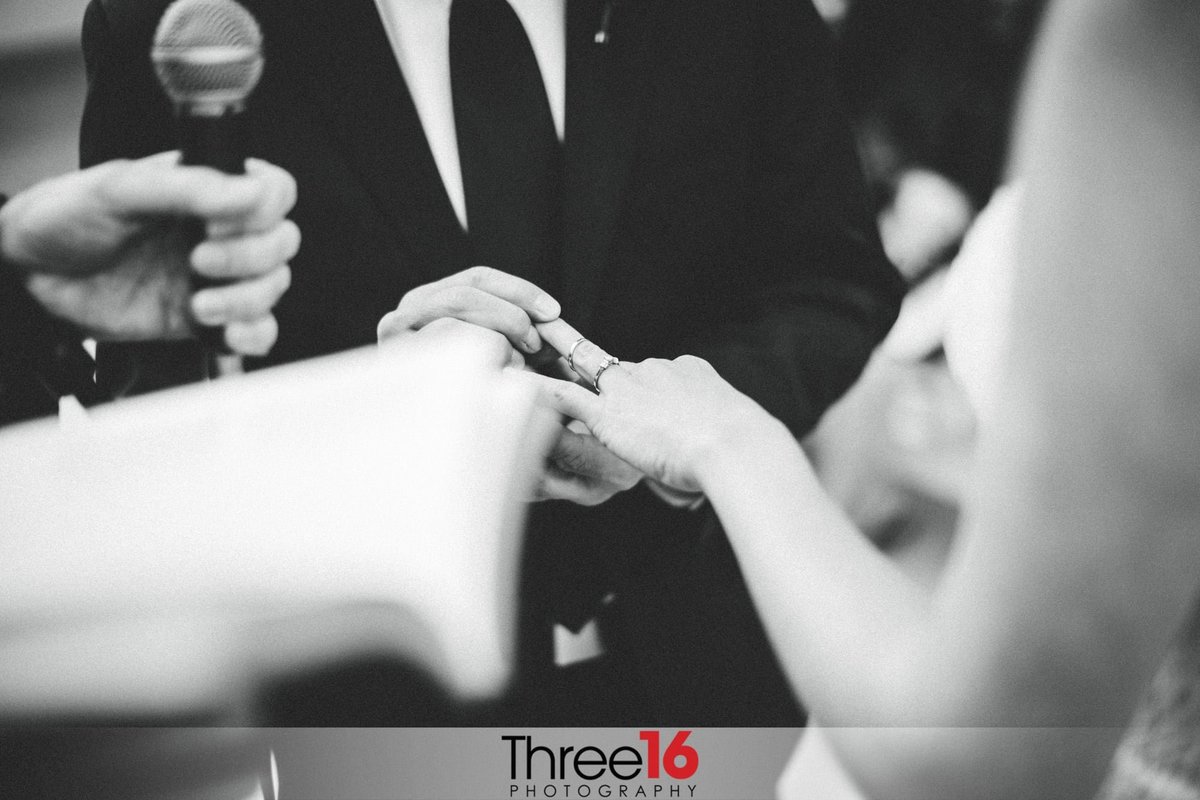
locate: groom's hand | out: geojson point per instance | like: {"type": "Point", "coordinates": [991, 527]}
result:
{"type": "Point", "coordinates": [581, 470]}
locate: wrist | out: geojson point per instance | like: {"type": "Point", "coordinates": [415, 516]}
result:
{"type": "Point", "coordinates": [739, 448]}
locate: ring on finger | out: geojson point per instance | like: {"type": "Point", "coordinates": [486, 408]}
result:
{"type": "Point", "coordinates": [608, 362]}
{"type": "Point", "coordinates": [571, 353]}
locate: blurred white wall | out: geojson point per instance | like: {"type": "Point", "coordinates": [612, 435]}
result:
{"type": "Point", "coordinates": [41, 89]}
{"type": "Point", "coordinates": [37, 23]}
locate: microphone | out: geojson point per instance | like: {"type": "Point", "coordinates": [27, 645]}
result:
{"type": "Point", "coordinates": [208, 57]}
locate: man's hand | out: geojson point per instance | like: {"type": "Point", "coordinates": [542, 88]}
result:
{"type": "Point", "coordinates": [480, 296]}
{"type": "Point", "coordinates": [104, 248]}
{"type": "Point", "coordinates": [451, 335]}
{"type": "Point", "coordinates": [582, 470]}
{"type": "Point", "coordinates": [496, 304]}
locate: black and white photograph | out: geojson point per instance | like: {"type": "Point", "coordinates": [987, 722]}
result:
{"type": "Point", "coordinates": [472, 399]}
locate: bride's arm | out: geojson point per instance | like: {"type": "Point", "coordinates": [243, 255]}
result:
{"type": "Point", "coordinates": [1078, 553]}
{"type": "Point", "coordinates": [1079, 550]}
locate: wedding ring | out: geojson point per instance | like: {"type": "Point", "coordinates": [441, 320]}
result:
{"type": "Point", "coordinates": [588, 361]}
{"type": "Point", "coordinates": [571, 354]}
{"type": "Point", "coordinates": [610, 361]}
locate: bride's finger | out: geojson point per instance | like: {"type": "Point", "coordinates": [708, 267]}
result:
{"type": "Point", "coordinates": [585, 357]}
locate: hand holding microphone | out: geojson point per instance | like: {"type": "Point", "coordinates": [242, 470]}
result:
{"type": "Point", "coordinates": [100, 248]}
{"type": "Point", "coordinates": [208, 57]}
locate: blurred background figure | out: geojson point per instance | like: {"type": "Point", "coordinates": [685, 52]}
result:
{"type": "Point", "coordinates": [899, 447]}
{"type": "Point", "coordinates": [930, 85]}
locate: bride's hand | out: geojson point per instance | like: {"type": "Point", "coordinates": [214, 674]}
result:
{"type": "Point", "coordinates": [673, 420]}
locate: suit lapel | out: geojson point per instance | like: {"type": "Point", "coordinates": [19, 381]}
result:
{"type": "Point", "coordinates": [352, 73]}
{"type": "Point", "coordinates": [602, 110]}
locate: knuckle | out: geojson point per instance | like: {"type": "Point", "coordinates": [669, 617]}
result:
{"type": "Point", "coordinates": [478, 275]}
{"type": "Point", "coordinates": [412, 300]}
{"type": "Point", "coordinates": [392, 327]}
{"type": "Point", "coordinates": [408, 299]}
{"type": "Point", "coordinates": [458, 299]}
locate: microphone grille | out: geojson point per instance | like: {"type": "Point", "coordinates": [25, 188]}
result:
{"type": "Point", "coordinates": [208, 54]}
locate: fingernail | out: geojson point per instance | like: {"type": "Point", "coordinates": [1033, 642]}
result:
{"type": "Point", "coordinates": [546, 306]}
{"type": "Point", "coordinates": [532, 342]}
{"type": "Point", "coordinates": [210, 259]}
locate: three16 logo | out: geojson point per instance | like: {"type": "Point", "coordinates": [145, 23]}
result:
{"type": "Point", "coordinates": [649, 760]}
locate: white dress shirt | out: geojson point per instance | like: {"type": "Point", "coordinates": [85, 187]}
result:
{"type": "Point", "coordinates": [419, 31]}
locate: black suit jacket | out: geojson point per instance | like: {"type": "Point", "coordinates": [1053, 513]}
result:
{"type": "Point", "coordinates": [713, 205]}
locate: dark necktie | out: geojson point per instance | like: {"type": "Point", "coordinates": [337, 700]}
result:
{"type": "Point", "coordinates": [507, 145]}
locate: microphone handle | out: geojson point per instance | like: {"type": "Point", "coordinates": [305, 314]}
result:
{"type": "Point", "coordinates": [217, 141]}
